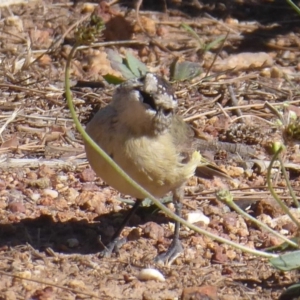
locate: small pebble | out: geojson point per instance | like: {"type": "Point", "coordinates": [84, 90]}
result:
{"type": "Point", "coordinates": [72, 243]}
{"type": "Point", "coordinates": [150, 274]}
{"type": "Point", "coordinates": [51, 193]}
{"type": "Point", "coordinates": [197, 216]}
{"type": "Point", "coordinates": [16, 207]}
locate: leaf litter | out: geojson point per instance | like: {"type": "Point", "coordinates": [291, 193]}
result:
{"type": "Point", "coordinates": [53, 210]}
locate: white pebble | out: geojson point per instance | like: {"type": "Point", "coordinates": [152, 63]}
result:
{"type": "Point", "coordinates": [197, 216]}
{"type": "Point", "coordinates": [62, 177]}
{"type": "Point", "coordinates": [150, 274]}
{"type": "Point", "coordinates": [51, 193]}
{"type": "Point", "coordinates": [35, 196]}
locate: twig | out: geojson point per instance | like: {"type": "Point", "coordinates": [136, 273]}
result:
{"type": "Point", "coordinates": [252, 116]}
{"type": "Point", "coordinates": [234, 101]}
{"type": "Point", "coordinates": [217, 54]}
{"type": "Point", "coordinates": [9, 120]}
{"type": "Point", "coordinates": [102, 44]}
{"type": "Point", "coordinates": [223, 111]}
{"type": "Point", "coordinates": [256, 106]}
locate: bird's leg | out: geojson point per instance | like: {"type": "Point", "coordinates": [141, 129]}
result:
{"type": "Point", "coordinates": [175, 248]}
{"type": "Point", "coordinates": [116, 242]}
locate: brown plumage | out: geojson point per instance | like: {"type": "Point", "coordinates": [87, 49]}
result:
{"type": "Point", "coordinates": [140, 131]}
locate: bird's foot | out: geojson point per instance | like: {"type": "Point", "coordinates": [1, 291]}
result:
{"type": "Point", "coordinates": [172, 253]}
{"type": "Point", "coordinates": [112, 247]}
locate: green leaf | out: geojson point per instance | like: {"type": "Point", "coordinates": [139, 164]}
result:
{"type": "Point", "coordinates": [214, 43]}
{"type": "Point", "coordinates": [283, 246]}
{"type": "Point", "coordinates": [184, 70]}
{"type": "Point", "coordinates": [114, 56]}
{"type": "Point", "coordinates": [291, 292]}
{"type": "Point", "coordinates": [135, 65]}
{"type": "Point", "coordinates": [112, 79]}
{"type": "Point", "coordinates": [130, 67]}
{"type": "Point", "coordinates": [286, 262]}
{"type": "Point", "coordinates": [126, 73]}
{"type": "Point", "coordinates": [193, 33]}
{"type": "Point", "coordinates": [118, 64]}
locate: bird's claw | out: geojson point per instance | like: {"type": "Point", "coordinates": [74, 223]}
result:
{"type": "Point", "coordinates": [172, 253]}
{"type": "Point", "coordinates": [112, 247]}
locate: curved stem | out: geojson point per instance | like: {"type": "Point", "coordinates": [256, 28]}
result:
{"type": "Point", "coordinates": [272, 191]}
{"type": "Point", "coordinates": [288, 183]}
{"type": "Point", "coordinates": [101, 152]}
{"type": "Point", "coordinates": [225, 196]}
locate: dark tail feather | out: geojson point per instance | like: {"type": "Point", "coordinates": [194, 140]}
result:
{"type": "Point", "coordinates": [208, 171]}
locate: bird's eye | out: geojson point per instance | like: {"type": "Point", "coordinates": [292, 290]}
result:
{"type": "Point", "coordinates": [167, 112]}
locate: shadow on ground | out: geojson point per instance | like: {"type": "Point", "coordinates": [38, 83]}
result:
{"type": "Point", "coordinates": [265, 13]}
{"type": "Point", "coordinates": [43, 232]}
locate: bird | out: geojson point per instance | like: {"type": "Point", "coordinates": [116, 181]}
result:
{"type": "Point", "coordinates": [140, 130]}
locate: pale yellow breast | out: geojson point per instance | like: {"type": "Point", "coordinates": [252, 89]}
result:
{"type": "Point", "coordinates": [152, 162]}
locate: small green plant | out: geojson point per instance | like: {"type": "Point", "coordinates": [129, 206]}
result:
{"type": "Point", "coordinates": [201, 46]}
{"type": "Point", "coordinates": [184, 70]}
{"type": "Point", "coordinates": [130, 67]}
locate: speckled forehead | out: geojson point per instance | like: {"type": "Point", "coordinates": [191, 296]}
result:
{"type": "Point", "coordinates": [156, 84]}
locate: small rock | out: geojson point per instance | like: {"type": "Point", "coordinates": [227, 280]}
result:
{"type": "Point", "coordinates": [77, 284]}
{"type": "Point", "coordinates": [39, 183]}
{"type": "Point", "coordinates": [150, 274]}
{"type": "Point", "coordinates": [231, 254]}
{"type": "Point", "coordinates": [51, 193]}
{"type": "Point", "coordinates": [35, 196]}
{"type": "Point", "coordinates": [89, 186]}
{"type": "Point", "coordinates": [235, 171]}
{"type": "Point", "coordinates": [133, 235]}
{"type": "Point", "coordinates": [16, 207]}
{"type": "Point", "coordinates": [200, 293]}
{"type": "Point", "coordinates": [32, 175]}
{"type": "Point", "coordinates": [13, 218]}
{"type": "Point", "coordinates": [72, 243]}
{"type": "Point", "coordinates": [154, 231]}
{"type": "Point", "coordinates": [92, 201]}
{"type": "Point", "coordinates": [197, 216]}
{"type": "Point", "coordinates": [230, 223]}
{"type": "Point", "coordinates": [88, 175]}
{"type": "Point", "coordinates": [46, 294]}
{"type": "Point", "coordinates": [276, 72]}
{"type": "Point", "coordinates": [219, 256]}
{"type": "Point", "coordinates": [46, 201]}
{"type": "Point", "coordinates": [62, 178]}
{"type": "Point", "coordinates": [45, 171]}
{"type": "Point", "coordinates": [71, 194]}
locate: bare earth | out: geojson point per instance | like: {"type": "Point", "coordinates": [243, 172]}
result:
{"type": "Point", "coordinates": [53, 208]}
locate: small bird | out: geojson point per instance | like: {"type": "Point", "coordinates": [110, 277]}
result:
{"type": "Point", "coordinates": [140, 131]}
